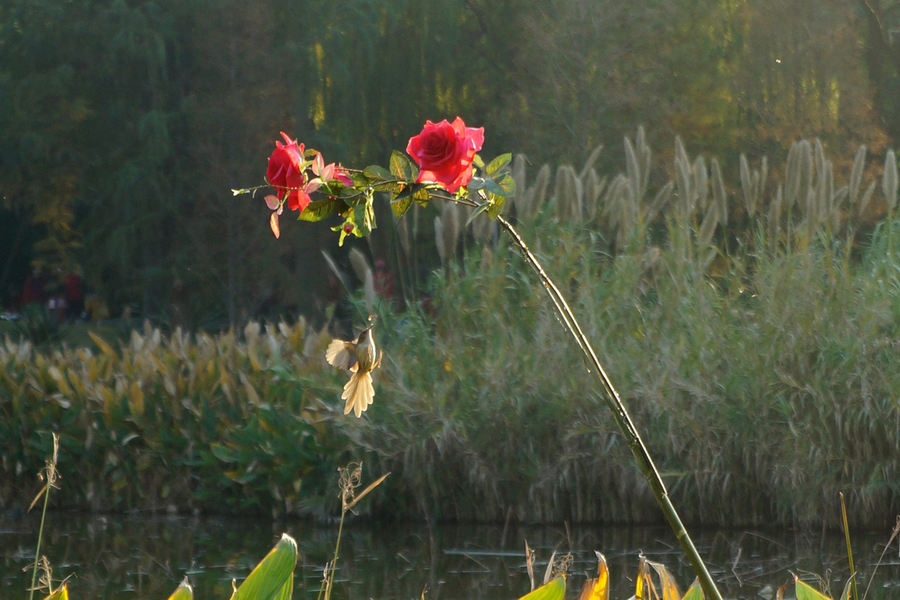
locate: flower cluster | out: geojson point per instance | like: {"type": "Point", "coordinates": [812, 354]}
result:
{"type": "Point", "coordinates": [287, 173]}
{"type": "Point", "coordinates": [440, 162]}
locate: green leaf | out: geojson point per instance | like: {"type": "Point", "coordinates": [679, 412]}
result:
{"type": "Point", "coordinates": [554, 590]}
{"type": "Point", "coordinates": [477, 183]}
{"type": "Point", "coordinates": [695, 592]}
{"type": "Point", "coordinates": [497, 203]}
{"type": "Point", "coordinates": [272, 575]}
{"type": "Point", "coordinates": [320, 210]}
{"type": "Point", "coordinates": [184, 591]}
{"type": "Point", "coordinates": [381, 180]}
{"type": "Point", "coordinates": [403, 167]}
{"type": "Point", "coordinates": [478, 211]}
{"type": "Point", "coordinates": [498, 163]}
{"type": "Point", "coordinates": [478, 162]}
{"type": "Point", "coordinates": [223, 453]}
{"type": "Point", "coordinates": [506, 183]}
{"type": "Point", "coordinates": [806, 592]}
{"type": "Point", "coordinates": [422, 196]}
{"type": "Point", "coordinates": [377, 173]}
{"type": "Point", "coordinates": [402, 205]}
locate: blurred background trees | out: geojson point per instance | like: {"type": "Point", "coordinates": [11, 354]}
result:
{"type": "Point", "coordinates": [125, 124]}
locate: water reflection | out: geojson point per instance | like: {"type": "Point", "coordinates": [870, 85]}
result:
{"type": "Point", "coordinates": [146, 557]}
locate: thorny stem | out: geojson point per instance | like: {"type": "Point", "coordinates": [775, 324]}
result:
{"type": "Point", "coordinates": [623, 420]}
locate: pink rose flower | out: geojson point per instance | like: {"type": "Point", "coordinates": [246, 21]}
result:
{"type": "Point", "coordinates": [285, 171]}
{"type": "Point", "coordinates": [444, 152]}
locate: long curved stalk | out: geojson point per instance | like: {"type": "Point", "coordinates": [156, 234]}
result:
{"type": "Point", "coordinates": [623, 420]}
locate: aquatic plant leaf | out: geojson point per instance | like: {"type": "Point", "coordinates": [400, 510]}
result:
{"type": "Point", "coordinates": [805, 591]}
{"type": "Point", "coordinates": [555, 590]}
{"type": "Point", "coordinates": [268, 580]}
{"type": "Point", "coordinates": [61, 593]}
{"type": "Point", "coordinates": [184, 591]}
{"type": "Point", "coordinates": [286, 590]}
{"type": "Point", "coordinates": [695, 592]}
{"type": "Point", "coordinates": [597, 588]}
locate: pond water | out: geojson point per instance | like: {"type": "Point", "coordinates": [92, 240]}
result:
{"type": "Point", "coordinates": [118, 556]}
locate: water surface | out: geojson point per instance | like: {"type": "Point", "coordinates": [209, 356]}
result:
{"type": "Point", "coordinates": [146, 557]}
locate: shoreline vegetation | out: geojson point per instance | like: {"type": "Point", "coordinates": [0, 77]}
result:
{"type": "Point", "coordinates": [759, 366]}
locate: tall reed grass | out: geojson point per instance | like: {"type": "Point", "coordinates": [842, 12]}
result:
{"type": "Point", "coordinates": [750, 323]}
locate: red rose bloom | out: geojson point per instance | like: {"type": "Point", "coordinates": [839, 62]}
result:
{"type": "Point", "coordinates": [444, 152]}
{"type": "Point", "coordinates": [285, 172]}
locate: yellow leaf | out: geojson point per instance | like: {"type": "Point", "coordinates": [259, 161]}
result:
{"type": "Point", "coordinates": [61, 593]}
{"type": "Point", "coordinates": [597, 588]}
{"type": "Point", "coordinates": [136, 400]}
{"type": "Point", "coordinates": [60, 380]}
{"type": "Point", "coordinates": [184, 591]}
{"type": "Point", "coordinates": [805, 591]}
{"type": "Point", "coordinates": [104, 347]}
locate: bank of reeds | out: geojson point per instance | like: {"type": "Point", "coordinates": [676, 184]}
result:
{"type": "Point", "coordinates": [751, 325]}
{"type": "Point", "coordinates": [175, 422]}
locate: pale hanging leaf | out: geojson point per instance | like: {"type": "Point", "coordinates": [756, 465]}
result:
{"type": "Point", "coordinates": [554, 590]}
{"type": "Point", "coordinates": [273, 223]}
{"type": "Point", "coordinates": [272, 202]}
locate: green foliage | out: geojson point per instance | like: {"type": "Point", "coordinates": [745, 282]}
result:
{"type": "Point", "coordinates": [273, 577]}
{"type": "Point", "coordinates": [554, 590]}
{"type": "Point", "coordinates": [211, 423]}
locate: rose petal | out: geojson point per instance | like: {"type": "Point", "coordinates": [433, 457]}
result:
{"type": "Point", "coordinates": [318, 164]}
{"type": "Point", "coordinates": [272, 202]}
{"type": "Point", "coordinates": [313, 185]}
{"type": "Point", "coordinates": [328, 173]}
{"type": "Point", "coordinates": [273, 223]}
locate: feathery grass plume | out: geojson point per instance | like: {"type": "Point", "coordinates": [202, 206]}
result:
{"type": "Point", "coordinates": [643, 155]}
{"type": "Point", "coordinates": [718, 189]}
{"type": "Point", "coordinates": [439, 240]}
{"type": "Point", "coordinates": [539, 191]}
{"type": "Point", "coordinates": [701, 181]}
{"type": "Point", "coordinates": [568, 204]}
{"type": "Point", "coordinates": [519, 172]}
{"type": "Point", "coordinates": [792, 178]}
{"type": "Point", "coordinates": [686, 197]}
{"type": "Point", "coordinates": [773, 220]}
{"type": "Point", "coordinates": [856, 174]}
{"type": "Point", "coordinates": [633, 169]}
{"type": "Point", "coordinates": [806, 171]}
{"type": "Point", "coordinates": [360, 264]}
{"type": "Point", "coordinates": [889, 182]}
{"type": "Point", "coordinates": [589, 163]}
{"type": "Point", "coordinates": [708, 227]}
{"type": "Point", "coordinates": [659, 202]}
{"type": "Point", "coordinates": [747, 186]}
{"type": "Point", "coordinates": [450, 229]}
{"type": "Point", "coordinates": [867, 196]}
{"type": "Point", "coordinates": [402, 230]}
